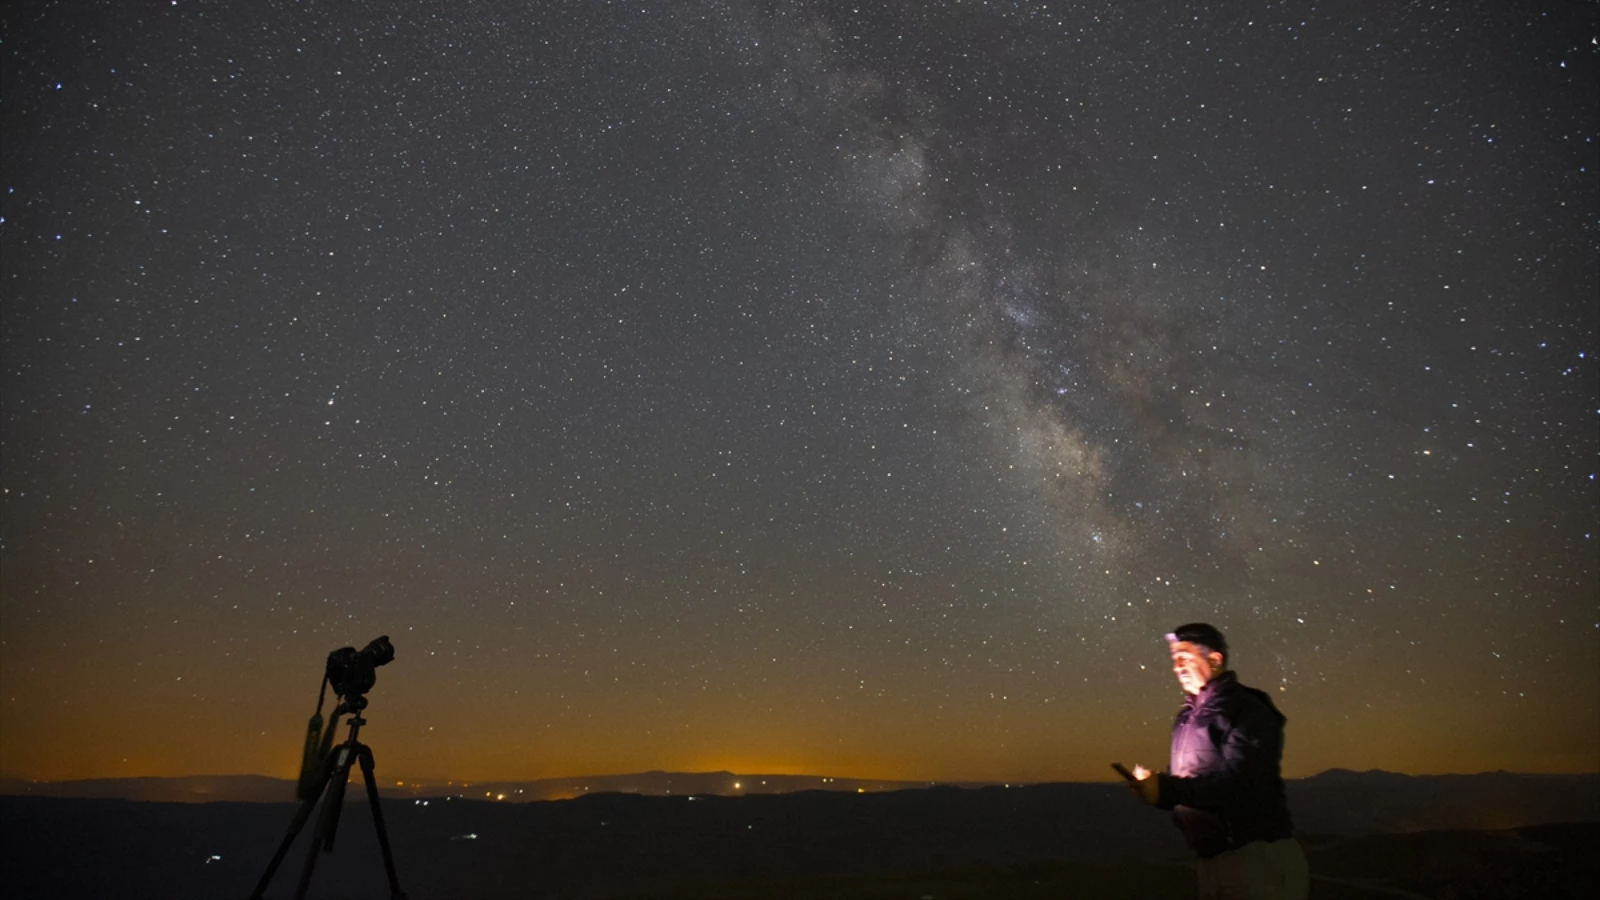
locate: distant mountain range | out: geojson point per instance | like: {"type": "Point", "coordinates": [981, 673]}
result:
{"type": "Point", "coordinates": [1338, 801]}
{"type": "Point", "coordinates": [262, 789]}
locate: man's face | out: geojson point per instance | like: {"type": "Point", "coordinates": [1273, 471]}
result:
{"type": "Point", "coordinates": [1194, 665]}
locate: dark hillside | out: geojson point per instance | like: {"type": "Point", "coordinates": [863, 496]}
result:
{"type": "Point", "coordinates": [1089, 841]}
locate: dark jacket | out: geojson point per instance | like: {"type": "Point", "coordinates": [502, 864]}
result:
{"type": "Point", "coordinates": [1223, 785]}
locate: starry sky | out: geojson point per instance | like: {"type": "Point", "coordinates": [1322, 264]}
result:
{"type": "Point", "coordinates": [854, 389]}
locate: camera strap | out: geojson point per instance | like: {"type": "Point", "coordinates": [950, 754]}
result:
{"type": "Point", "coordinates": [313, 752]}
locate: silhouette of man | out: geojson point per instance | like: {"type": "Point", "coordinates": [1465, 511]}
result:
{"type": "Point", "coordinates": [1223, 783]}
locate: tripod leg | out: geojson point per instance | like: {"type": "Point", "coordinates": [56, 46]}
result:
{"type": "Point", "coordinates": [301, 816]}
{"type": "Point", "coordinates": [365, 754]}
{"type": "Point", "coordinates": [329, 826]}
{"type": "Point", "coordinates": [332, 798]}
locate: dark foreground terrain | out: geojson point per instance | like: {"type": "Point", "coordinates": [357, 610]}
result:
{"type": "Point", "coordinates": [1083, 841]}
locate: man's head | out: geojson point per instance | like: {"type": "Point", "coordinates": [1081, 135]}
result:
{"type": "Point", "coordinates": [1199, 654]}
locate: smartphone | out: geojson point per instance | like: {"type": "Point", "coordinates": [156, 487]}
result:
{"type": "Point", "coordinates": [1123, 771]}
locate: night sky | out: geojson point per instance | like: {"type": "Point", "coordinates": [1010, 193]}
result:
{"type": "Point", "coordinates": [852, 389]}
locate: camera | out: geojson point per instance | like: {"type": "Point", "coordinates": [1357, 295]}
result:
{"type": "Point", "coordinates": [353, 672]}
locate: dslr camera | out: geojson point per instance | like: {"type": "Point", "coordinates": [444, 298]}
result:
{"type": "Point", "coordinates": [353, 672]}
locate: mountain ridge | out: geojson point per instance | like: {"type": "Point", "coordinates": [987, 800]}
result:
{"type": "Point", "coordinates": [1335, 801]}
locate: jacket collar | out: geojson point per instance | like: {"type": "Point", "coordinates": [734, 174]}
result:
{"type": "Point", "coordinates": [1214, 688]}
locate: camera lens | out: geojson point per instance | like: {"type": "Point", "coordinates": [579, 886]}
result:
{"type": "Point", "coordinates": [380, 652]}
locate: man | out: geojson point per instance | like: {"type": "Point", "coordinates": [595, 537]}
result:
{"type": "Point", "coordinates": [1223, 784]}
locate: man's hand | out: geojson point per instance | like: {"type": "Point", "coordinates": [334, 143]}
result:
{"type": "Point", "coordinates": [1145, 787]}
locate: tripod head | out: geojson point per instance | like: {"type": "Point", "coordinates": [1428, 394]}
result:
{"type": "Point", "coordinates": [352, 705]}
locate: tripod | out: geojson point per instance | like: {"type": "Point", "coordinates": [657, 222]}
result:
{"type": "Point", "coordinates": [330, 789]}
